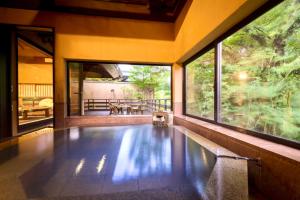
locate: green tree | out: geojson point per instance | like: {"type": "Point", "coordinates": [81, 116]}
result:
{"type": "Point", "coordinates": [200, 86]}
{"type": "Point", "coordinates": [268, 51]}
{"type": "Point", "coordinates": [152, 81]}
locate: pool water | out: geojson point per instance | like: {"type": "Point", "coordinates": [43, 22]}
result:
{"type": "Point", "coordinates": [122, 162]}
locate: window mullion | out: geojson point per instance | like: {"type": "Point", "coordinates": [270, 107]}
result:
{"type": "Point", "coordinates": [217, 84]}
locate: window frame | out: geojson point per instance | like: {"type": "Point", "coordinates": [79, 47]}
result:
{"type": "Point", "coordinates": [217, 45]}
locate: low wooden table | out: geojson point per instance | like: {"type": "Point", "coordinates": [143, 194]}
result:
{"type": "Point", "coordinates": [27, 110]}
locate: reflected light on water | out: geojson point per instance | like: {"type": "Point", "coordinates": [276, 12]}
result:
{"type": "Point", "coordinates": [79, 166]}
{"type": "Point", "coordinates": [101, 164]}
{"type": "Point", "coordinates": [142, 155]}
{"type": "Point", "coordinates": [74, 134]}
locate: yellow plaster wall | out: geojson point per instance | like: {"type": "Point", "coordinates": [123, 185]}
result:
{"type": "Point", "coordinates": [35, 73]}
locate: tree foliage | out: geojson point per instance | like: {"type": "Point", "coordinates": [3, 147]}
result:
{"type": "Point", "coordinates": [153, 82]}
{"type": "Point", "coordinates": [200, 86]}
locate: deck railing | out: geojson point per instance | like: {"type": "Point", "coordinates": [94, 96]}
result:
{"type": "Point", "coordinates": [149, 104]}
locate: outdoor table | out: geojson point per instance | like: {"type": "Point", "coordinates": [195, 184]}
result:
{"type": "Point", "coordinates": [125, 107]}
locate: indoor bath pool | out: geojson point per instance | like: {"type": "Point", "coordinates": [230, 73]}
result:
{"type": "Point", "coordinates": [121, 162]}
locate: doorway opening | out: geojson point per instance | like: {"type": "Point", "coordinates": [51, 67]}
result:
{"type": "Point", "coordinates": [35, 82]}
{"type": "Point", "coordinates": [101, 89]}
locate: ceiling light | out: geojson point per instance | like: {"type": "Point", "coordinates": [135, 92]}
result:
{"type": "Point", "coordinates": [48, 60]}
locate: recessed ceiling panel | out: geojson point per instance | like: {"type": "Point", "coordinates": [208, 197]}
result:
{"type": "Point", "coordinates": [158, 10]}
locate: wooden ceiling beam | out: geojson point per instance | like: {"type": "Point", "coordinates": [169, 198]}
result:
{"type": "Point", "coordinates": [34, 60]}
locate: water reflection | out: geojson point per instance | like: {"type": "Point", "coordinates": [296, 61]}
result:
{"type": "Point", "coordinates": [199, 164]}
{"type": "Point", "coordinates": [74, 134]}
{"type": "Point", "coordinates": [79, 166]}
{"type": "Point", "coordinates": [142, 154]}
{"type": "Point", "coordinates": [101, 164]}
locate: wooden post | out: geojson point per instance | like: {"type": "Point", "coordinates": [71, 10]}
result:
{"type": "Point", "coordinates": [159, 104]}
{"type": "Point", "coordinates": [165, 104]}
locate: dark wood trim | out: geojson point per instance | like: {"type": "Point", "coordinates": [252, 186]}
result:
{"type": "Point", "coordinates": [118, 62]}
{"type": "Point", "coordinates": [114, 14]}
{"type": "Point", "coordinates": [218, 74]}
{"type": "Point", "coordinates": [13, 82]}
{"type": "Point", "coordinates": [53, 76]}
{"type": "Point", "coordinates": [80, 88]}
{"type": "Point", "coordinates": [16, 82]}
{"type": "Point", "coordinates": [35, 45]}
{"type": "Point", "coordinates": [169, 16]}
{"type": "Point", "coordinates": [68, 88]}
{"type": "Point", "coordinates": [6, 49]}
{"type": "Point", "coordinates": [23, 27]}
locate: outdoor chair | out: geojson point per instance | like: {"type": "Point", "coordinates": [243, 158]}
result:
{"type": "Point", "coordinates": [129, 110]}
{"type": "Point", "coordinates": [113, 109]}
{"type": "Point", "coordinates": [142, 108]}
{"type": "Point", "coordinates": [160, 119]}
{"type": "Point", "coordinates": [135, 109]}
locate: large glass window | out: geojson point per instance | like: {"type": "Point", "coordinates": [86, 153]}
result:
{"type": "Point", "coordinates": [261, 74]}
{"type": "Point", "coordinates": [200, 86]}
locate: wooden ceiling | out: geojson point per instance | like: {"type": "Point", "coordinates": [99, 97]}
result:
{"type": "Point", "coordinates": [157, 10]}
{"type": "Point", "coordinates": [100, 70]}
{"type": "Point", "coordinates": [29, 54]}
